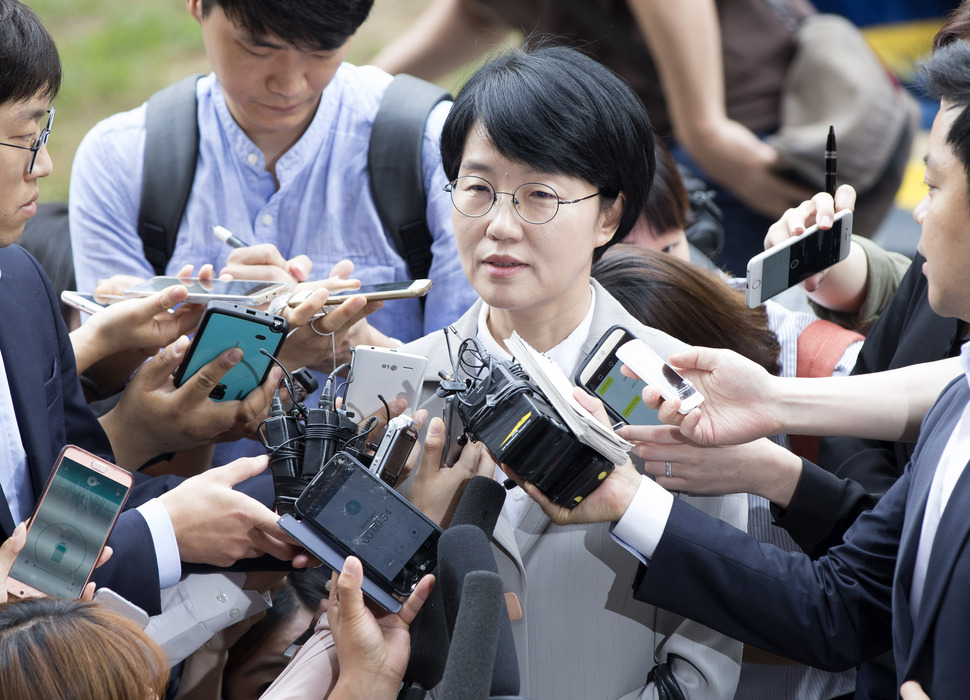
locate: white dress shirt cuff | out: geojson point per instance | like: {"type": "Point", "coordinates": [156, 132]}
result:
{"type": "Point", "coordinates": [166, 546]}
{"type": "Point", "coordinates": [643, 523]}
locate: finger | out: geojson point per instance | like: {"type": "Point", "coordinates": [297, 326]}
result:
{"type": "Point", "coordinates": [114, 287]}
{"type": "Point", "coordinates": [201, 384]}
{"type": "Point", "coordinates": [158, 370]}
{"type": "Point", "coordinates": [412, 606]}
{"type": "Point", "coordinates": [593, 405]}
{"type": "Point", "coordinates": [104, 556]}
{"type": "Point", "coordinates": [11, 548]}
{"type": "Point", "coordinates": [165, 299]}
{"type": "Point", "coordinates": [348, 589]}
{"type": "Point", "coordinates": [342, 269]}
{"type": "Point", "coordinates": [258, 401]}
{"type": "Point", "coordinates": [185, 272]}
{"type": "Point", "coordinates": [845, 197]}
{"type": "Point", "coordinates": [299, 267]}
{"type": "Point", "coordinates": [87, 594]}
{"type": "Point", "coordinates": [344, 316]}
{"type": "Point", "coordinates": [434, 443]}
{"type": "Point", "coordinates": [206, 273]}
{"type": "Point", "coordinates": [240, 470]}
{"type": "Point", "coordinates": [308, 308]}
{"type": "Point", "coordinates": [824, 210]}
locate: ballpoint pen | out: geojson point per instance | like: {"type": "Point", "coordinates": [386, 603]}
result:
{"type": "Point", "coordinates": [830, 162]}
{"type": "Point", "coordinates": [225, 235]}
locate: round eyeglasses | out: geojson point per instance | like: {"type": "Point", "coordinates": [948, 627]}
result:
{"type": "Point", "coordinates": [36, 142]}
{"type": "Point", "coordinates": [536, 203]}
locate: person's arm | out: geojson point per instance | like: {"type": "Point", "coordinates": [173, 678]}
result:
{"type": "Point", "coordinates": [743, 402]}
{"type": "Point", "coordinates": [448, 35]}
{"type": "Point", "coordinates": [685, 42]}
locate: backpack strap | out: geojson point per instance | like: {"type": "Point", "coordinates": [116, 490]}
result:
{"type": "Point", "coordinates": [820, 347]}
{"type": "Point", "coordinates": [394, 167]}
{"type": "Point", "coordinates": [171, 154]}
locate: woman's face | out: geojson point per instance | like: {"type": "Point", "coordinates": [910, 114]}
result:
{"type": "Point", "coordinates": [518, 266]}
{"type": "Point", "coordinates": [673, 241]}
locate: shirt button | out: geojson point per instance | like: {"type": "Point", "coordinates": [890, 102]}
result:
{"type": "Point", "coordinates": [267, 219]}
{"type": "Point", "coordinates": [252, 158]}
{"type": "Point", "coordinates": [222, 597]}
{"type": "Point", "coordinates": [234, 612]}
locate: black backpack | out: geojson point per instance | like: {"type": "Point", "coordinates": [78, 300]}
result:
{"type": "Point", "coordinates": [393, 164]}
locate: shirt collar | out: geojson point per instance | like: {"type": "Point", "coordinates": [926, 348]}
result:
{"type": "Point", "coordinates": [566, 354]}
{"type": "Point", "coordinates": [965, 360]}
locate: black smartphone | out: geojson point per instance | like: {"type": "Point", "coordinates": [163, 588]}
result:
{"type": "Point", "coordinates": [396, 543]}
{"type": "Point", "coordinates": [599, 374]}
{"type": "Point", "coordinates": [225, 325]}
{"type": "Point", "coordinates": [70, 526]}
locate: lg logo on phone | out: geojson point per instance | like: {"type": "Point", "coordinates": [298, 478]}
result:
{"type": "Point", "coordinates": [393, 368]}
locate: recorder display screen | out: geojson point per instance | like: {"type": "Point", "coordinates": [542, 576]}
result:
{"type": "Point", "coordinates": [361, 513]}
{"type": "Point", "coordinates": [68, 530]}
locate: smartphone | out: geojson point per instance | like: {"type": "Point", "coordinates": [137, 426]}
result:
{"type": "Point", "coordinates": [82, 302]}
{"type": "Point", "coordinates": [243, 292]}
{"type": "Point", "coordinates": [223, 326]}
{"type": "Point", "coordinates": [365, 517]}
{"type": "Point", "coordinates": [652, 368]}
{"type": "Point", "coordinates": [374, 292]}
{"type": "Point", "coordinates": [599, 374]}
{"type": "Point", "coordinates": [386, 372]}
{"type": "Point", "coordinates": [76, 512]}
{"type": "Point", "coordinates": [797, 259]}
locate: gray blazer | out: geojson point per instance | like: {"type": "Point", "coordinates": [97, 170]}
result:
{"type": "Point", "coordinates": [582, 634]}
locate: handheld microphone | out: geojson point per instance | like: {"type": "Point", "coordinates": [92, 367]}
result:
{"type": "Point", "coordinates": [283, 442]}
{"type": "Point", "coordinates": [326, 430]}
{"type": "Point", "coordinates": [429, 649]}
{"type": "Point", "coordinates": [480, 505]}
{"type": "Point", "coordinates": [471, 658]}
{"type": "Point", "coordinates": [463, 549]}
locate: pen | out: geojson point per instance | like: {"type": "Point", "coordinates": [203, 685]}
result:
{"type": "Point", "coordinates": [225, 235]}
{"type": "Point", "coordinates": [830, 162]}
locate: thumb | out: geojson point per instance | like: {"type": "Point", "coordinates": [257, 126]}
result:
{"type": "Point", "coordinates": [11, 548]}
{"type": "Point", "coordinates": [434, 443]}
{"type": "Point", "coordinates": [695, 358]}
{"type": "Point", "coordinates": [157, 370]}
{"type": "Point", "coordinates": [168, 297]}
{"type": "Point", "coordinates": [241, 469]}
{"type": "Point", "coordinates": [342, 269]}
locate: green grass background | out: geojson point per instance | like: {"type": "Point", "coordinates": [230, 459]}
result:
{"type": "Point", "coordinates": [116, 53]}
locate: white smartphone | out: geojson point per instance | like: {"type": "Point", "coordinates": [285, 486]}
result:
{"type": "Point", "coordinates": [82, 302]}
{"type": "Point", "coordinates": [599, 374]}
{"type": "Point", "coordinates": [386, 372]}
{"type": "Point", "coordinates": [652, 368]}
{"type": "Point", "coordinates": [785, 265]}
{"type": "Point", "coordinates": [242, 292]}
{"type": "Point", "coordinates": [374, 292]}
{"type": "Point", "coordinates": [70, 526]}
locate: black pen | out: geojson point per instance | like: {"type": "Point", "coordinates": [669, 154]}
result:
{"type": "Point", "coordinates": [225, 235]}
{"type": "Point", "coordinates": [830, 162]}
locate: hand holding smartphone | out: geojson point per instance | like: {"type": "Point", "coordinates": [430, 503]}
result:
{"type": "Point", "coordinates": [408, 289]}
{"type": "Point", "coordinates": [386, 372]}
{"type": "Point", "coordinates": [652, 368]}
{"type": "Point", "coordinates": [798, 258]}
{"type": "Point", "coordinates": [70, 526]}
{"type": "Point", "coordinates": [242, 292]}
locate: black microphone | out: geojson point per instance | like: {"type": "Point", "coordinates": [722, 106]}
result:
{"type": "Point", "coordinates": [471, 658]}
{"type": "Point", "coordinates": [429, 648]}
{"type": "Point", "coordinates": [480, 505]}
{"type": "Point", "coordinates": [463, 549]}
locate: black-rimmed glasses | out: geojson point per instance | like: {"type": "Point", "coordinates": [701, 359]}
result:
{"type": "Point", "coordinates": [38, 141]}
{"type": "Point", "coordinates": [536, 203]}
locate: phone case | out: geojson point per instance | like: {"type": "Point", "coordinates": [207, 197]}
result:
{"type": "Point", "coordinates": [652, 368]}
{"type": "Point", "coordinates": [386, 372]}
{"type": "Point", "coordinates": [70, 525]}
{"type": "Point", "coordinates": [223, 326]}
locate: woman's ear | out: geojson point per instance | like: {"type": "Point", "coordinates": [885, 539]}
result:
{"type": "Point", "coordinates": [609, 220]}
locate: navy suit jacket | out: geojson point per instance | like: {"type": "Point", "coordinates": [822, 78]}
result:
{"type": "Point", "coordinates": [852, 603]}
{"type": "Point", "coordinates": [51, 412]}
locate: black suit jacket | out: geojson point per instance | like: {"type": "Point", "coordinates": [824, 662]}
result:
{"type": "Point", "coordinates": [51, 412]}
{"type": "Point", "coordinates": [850, 604]}
{"type": "Point", "coordinates": [855, 473]}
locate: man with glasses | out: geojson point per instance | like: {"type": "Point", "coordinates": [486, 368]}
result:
{"type": "Point", "coordinates": [35, 142]}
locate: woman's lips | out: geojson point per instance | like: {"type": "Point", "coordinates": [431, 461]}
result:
{"type": "Point", "coordinates": [498, 266]}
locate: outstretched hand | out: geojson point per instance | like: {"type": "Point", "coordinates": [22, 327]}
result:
{"type": "Point", "coordinates": [737, 394]}
{"type": "Point", "coordinates": [373, 648]}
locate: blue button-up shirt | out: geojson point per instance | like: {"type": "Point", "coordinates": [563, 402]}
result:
{"type": "Point", "coordinates": [322, 208]}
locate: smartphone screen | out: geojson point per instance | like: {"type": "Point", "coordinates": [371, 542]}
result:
{"type": "Point", "coordinates": [600, 375]}
{"type": "Point", "coordinates": [227, 326]}
{"type": "Point", "coordinates": [371, 521]}
{"type": "Point", "coordinates": [69, 529]}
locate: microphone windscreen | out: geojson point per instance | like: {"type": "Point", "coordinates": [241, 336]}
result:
{"type": "Point", "coordinates": [429, 646]}
{"type": "Point", "coordinates": [481, 504]}
{"type": "Point", "coordinates": [463, 549]}
{"type": "Point", "coordinates": [471, 658]}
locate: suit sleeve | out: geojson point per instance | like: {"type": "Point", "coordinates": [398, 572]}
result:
{"type": "Point", "coordinates": [831, 613]}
